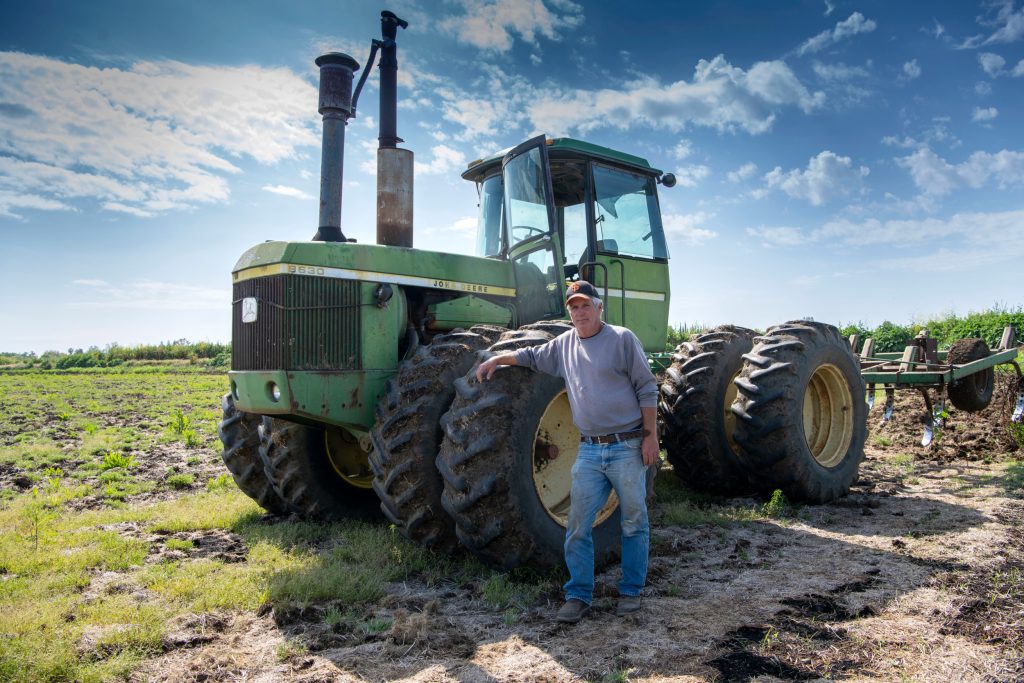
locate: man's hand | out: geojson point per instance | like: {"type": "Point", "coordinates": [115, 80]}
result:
{"type": "Point", "coordinates": [650, 449]}
{"type": "Point", "coordinates": [485, 370]}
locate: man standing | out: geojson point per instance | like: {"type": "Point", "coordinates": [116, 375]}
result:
{"type": "Point", "coordinates": [614, 398]}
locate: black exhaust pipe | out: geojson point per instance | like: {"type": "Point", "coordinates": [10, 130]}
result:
{"type": "Point", "coordinates": [336, 73]}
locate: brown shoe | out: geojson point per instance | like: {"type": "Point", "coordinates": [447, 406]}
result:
{"type": "Point", "coordinates": [627, 605]}
{"type": "Point", "coordinates": [572, 611]}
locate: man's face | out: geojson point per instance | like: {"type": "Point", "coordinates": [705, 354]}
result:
{"type": "Point", "coordinates": [586, 317]}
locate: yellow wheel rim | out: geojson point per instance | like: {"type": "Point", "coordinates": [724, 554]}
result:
{"type": "Point", "coordinates": [555, 446]}
{"type": "Point", "coordinates": [348, 458]}
{"type": "Point", "coordinates": [828, 416]}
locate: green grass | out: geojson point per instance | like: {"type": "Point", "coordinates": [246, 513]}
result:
{"type": "Point", "coordinates": [687, 508]}
{"type": "Point", "coordinates": [1013, 480]}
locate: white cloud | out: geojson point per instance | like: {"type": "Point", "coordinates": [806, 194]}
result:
{"type": "Point", "coordinates": [911, 69]}
{"type": "Point", "coordinates": [829, 7]}
{"type": "Point", "coordinates": [445, 159]}
{"type": "Point", "coordinates": [144, 139]}
{"type": "Point", "coordinates": [936, 177]}
{"type": "Point", "coordinates": [838, 72]}
{"type": "Point", "coordinates": [690, 176]}
{"type": "Point", "coordinates": [983, 88]}
{"type": "Point", "coordinates": [1018, 71]}
{"type": "Point", "coordinates": [683, 149]}
{"type": "Point", "coordinates": [286, 191]}
{"type": "Point", "coordinates": [980, 115]}
{"type": "Point", "coordinates": [494, 24]}
{"type": "Point", "coordinates": [1008, 25]}
{"type": "Point", "coordinates": [991, 63]}
{"type": "Point", "coordinates": [965, 240]}
{"type": "Point", "coordinates": [742, 173]}
{"type": "Point", "coordinates": [720, 96]}
{"type": "Point", "coordinates": [851, 26]}
{"type": "Point", "coordinates": [828, 176]}
{"type": "Point", "coordinates": [688, 228]}
{"type": "Point", "coordinates": [150, 294]}
{"type": "Point", "coordinates": [781, 236]}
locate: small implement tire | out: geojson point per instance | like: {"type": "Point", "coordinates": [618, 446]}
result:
{"type": "Point", "coordinates": [298, 466]}
{"type": "Point", "coordinates": [407, 435]}
{"type": "Point", "coordinates": [973, 392]}
{"type": "Point", "coordinates": [239, 433]}
{"type": "Point", "coordinates": [696, 409]}
{"type": "Point", "coordinates": [801, 418]}
{"type": "Point", "coordinates": [507, 458]}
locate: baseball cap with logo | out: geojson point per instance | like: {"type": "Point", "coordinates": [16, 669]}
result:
{"type": "Point", "coordinates": [580, 288]}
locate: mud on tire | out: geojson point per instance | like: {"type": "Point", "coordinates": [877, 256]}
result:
{"type": "Point", "coordinates": [407, 435]}
{"type": "Point", "coordinates": [695, 406]}
{"type": "Point", "coordinates": [506, 460]}
{"type": "Point", "coordinates": [973, 392]}
{"type": "Point", "coordinates": [297, 465]}
{"type": "Point", "coordinates": [801, 420]}
{"type": "Point", "coordinates": [239, 433]}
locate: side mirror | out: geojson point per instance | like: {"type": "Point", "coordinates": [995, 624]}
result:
{"type": "Point", "coordinates": [667, 179]}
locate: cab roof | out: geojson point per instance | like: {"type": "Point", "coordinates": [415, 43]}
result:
{"type": "Point", "coordinates": [480, 168]}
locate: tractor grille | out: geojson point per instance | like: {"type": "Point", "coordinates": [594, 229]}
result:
{"type": "Point", "coordinates": [302, 323]}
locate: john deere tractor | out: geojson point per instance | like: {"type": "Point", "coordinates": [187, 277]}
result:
{"type": "Point", "coordinates": [351, 389]}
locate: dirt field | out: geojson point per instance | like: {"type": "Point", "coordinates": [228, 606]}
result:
{"type": "Point", "coordinates": [918, 575]}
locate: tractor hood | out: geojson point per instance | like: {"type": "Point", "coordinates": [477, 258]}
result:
{"type": "Point", "coordinates": [456, 273]}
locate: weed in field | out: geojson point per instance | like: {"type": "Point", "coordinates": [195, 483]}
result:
{"type": "Point", "coordinates": [375, 625]}
{"type": "Point", "coordinates": [903, 461]}
{"type": "Point", "coordinates": [1013, 481]}
{"type": "Point", "coordinates": [179, 544]}
{"type": "Point", "coordinates": [193, 460]}
{"type": "Point", "coordinates": [502, 592]}
{"type": "Point", "coordinates": [181, 480]}
{"type": "Point", "coordinates": [883, 441]}
{"type": "Point", "coordinates": [191, 438]}
{"type": "Point", "coordinates": [89, 428]}
{"type": "Point", "coordinates": [777, 505]}
{"type": "Point", "coordinates": [221, 482]}
{"type": "Point", "coordinates": [114, 459]}
{"type": "Point", "coordinates": [179, 422]}
{"type": "Point", "coordinates": [288, 650]}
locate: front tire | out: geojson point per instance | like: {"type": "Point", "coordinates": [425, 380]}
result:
{"type": "Point", "coordinates": [240, 436]}
{"type": "Point", "coordinates": [298, 466]}
{"type": "Point", "coordinates": [407, 435]}
{"type": "Point", "coordinates": [802, 421]}
{"type": "Point", "coordinates": [507, 458]}
{"type": "Point", "coordinates": [695, 405]}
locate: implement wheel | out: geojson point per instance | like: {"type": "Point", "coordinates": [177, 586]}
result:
{"type": "Point", "coordinates": [407, 435]}
{"type": "Point", "coordinates": [507, 459]}
{"type": "Point", "coordinates": [801, 418]}
{"type": "Point", "coordinates": [312, 471]}
{"type": "Point", "coordinates": [239, 433]}
{"type": "Point", "coordinates": [973, 392]}
{"type": "Point", "coordinates": [696, 409]}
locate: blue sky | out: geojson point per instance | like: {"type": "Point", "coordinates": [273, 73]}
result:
{"type": "Point", "coordinates": [848, 161]}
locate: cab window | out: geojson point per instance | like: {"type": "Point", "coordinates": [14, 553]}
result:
{"type": "Point", "coordinates": [626, 214]}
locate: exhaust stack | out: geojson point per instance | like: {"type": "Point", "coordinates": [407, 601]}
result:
{"type": "Point", "coordinates": [336, 73]}
{"type": "Point", "coordinates": [394, 165]}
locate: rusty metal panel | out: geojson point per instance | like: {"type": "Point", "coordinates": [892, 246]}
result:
{"type": "Point", "coordinates": [301, 323]}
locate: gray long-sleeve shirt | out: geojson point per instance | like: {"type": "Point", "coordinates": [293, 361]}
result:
{"type": "Point", "coordinates": [606, 376]}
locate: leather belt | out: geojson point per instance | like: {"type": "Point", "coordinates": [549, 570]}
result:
{"type": "Point", "coordinates": [613, 438]}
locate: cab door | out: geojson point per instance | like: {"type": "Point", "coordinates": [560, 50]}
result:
{"type": "Point", "coordinates": [532, 242]}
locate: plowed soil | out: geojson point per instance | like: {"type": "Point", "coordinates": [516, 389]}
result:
{"type": "Point", "coordinates": [916, 575]}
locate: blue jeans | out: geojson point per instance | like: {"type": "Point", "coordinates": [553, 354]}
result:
{"type": "Point", "coordinates": [599, 469]}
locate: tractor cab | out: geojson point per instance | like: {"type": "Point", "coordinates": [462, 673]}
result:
{"type": "Point", "coordinates": [562, 209]}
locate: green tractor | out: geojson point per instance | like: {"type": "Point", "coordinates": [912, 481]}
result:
{"type": "Point", "coordinates": [351, 389]}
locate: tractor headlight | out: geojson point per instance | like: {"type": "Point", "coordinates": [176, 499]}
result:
{"type": "Point", "coordinates": [274, 391]}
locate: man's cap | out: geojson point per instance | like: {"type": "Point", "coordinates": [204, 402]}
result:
{"type": "Point", "coordinates": [581, 288]}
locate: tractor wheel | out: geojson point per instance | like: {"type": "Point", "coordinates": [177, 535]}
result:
{"type": "Point", "coordinates": [696, 402]}
{"type": "Point", "coordinates": [973, 392]}
{"type": "Point", "coordinates": [408, 434]}
{"type": "Point", "coordinates": [552, 327]}
{"type": "Point", "coordinates": [305, 466]}
{"type": "Point", "coordinates": [802, 420]}
{"type": "Point", "coordinates": [507, 459]}
{"type": "Point", "coordinates": [239, 432]}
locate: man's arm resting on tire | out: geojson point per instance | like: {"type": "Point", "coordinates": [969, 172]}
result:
{"type": "Point", "coordinates": [486, 369]}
